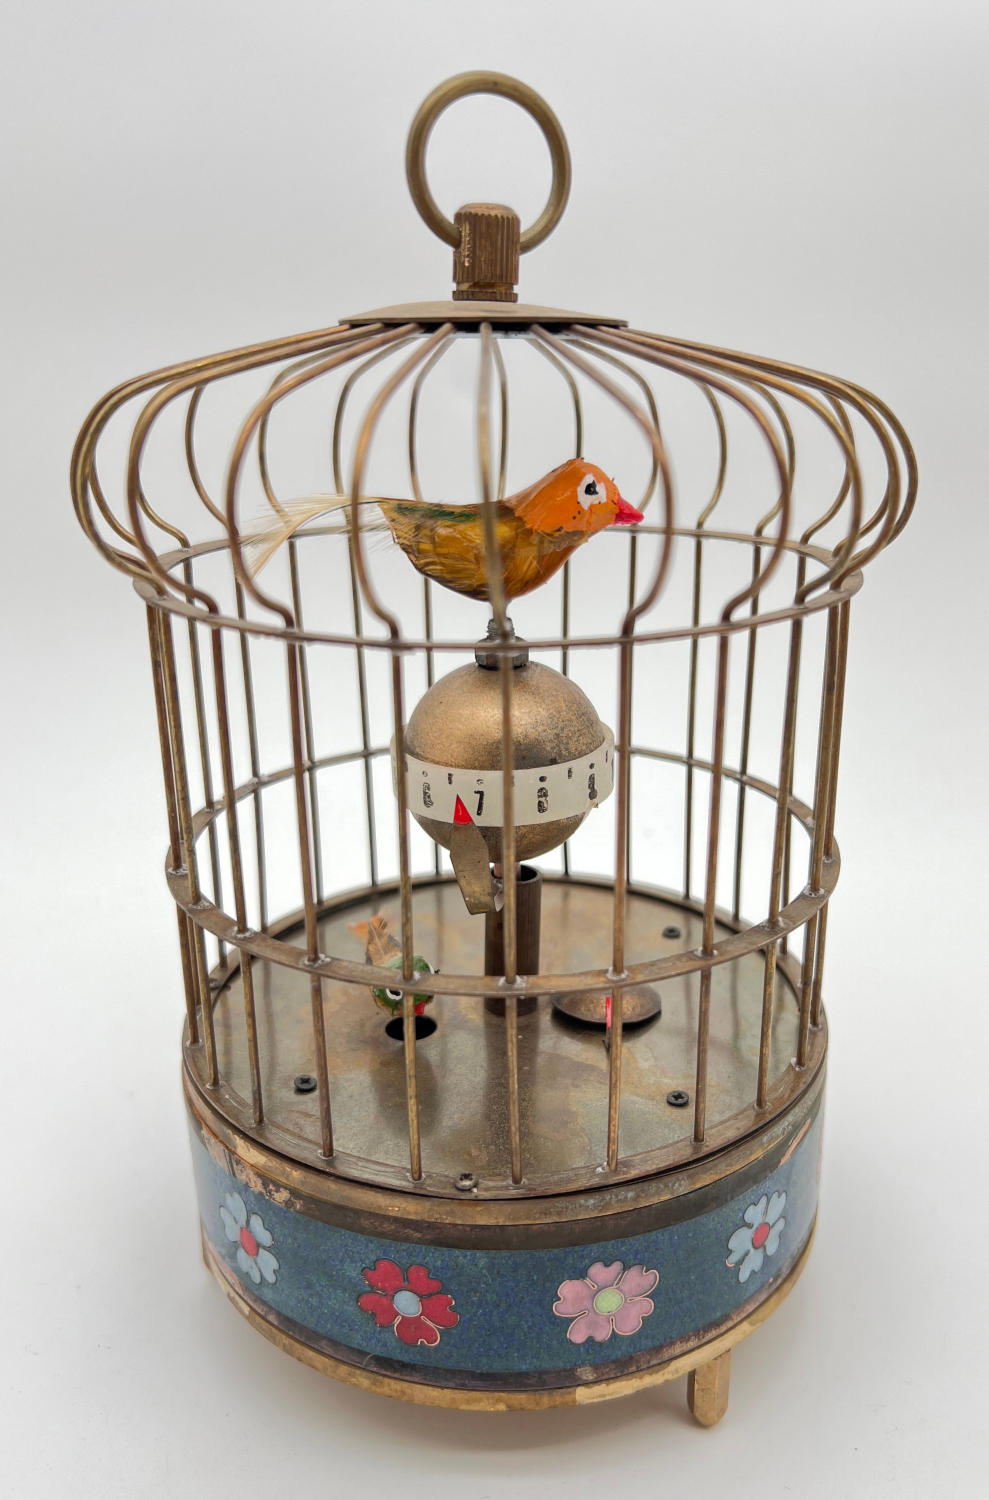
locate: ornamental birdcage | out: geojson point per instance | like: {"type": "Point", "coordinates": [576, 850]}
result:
{"type": "Point", "coordinates": [503, 936]}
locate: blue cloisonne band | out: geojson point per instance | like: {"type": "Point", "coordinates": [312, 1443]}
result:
{"type": "Point", "coordinates": [422, 1309]}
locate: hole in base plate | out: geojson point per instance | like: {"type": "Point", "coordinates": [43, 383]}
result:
{"type": "Point", "coordinates": [425, 1026]}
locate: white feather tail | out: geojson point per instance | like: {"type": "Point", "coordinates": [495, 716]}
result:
{"type": "Point", "coordinates": [264, 541]}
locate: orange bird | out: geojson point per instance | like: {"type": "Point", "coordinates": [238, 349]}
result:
{"type": "Point", "coordinates": [537, 530]}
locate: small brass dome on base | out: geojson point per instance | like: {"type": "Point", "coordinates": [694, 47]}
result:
{"type": "Point", "coordinates": [640, 1002]}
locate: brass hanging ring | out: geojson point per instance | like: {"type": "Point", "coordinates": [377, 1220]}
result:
{"type": "Point", "coordinates": [505, 87]}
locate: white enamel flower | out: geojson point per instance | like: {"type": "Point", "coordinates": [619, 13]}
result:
{"type": "Point", "coordinates": [764, 1223]}
{"type": "Point", "coordinates": [253, 1255]}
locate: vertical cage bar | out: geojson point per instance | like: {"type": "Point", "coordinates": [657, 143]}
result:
{"type": "Point", "coordinates": [405, 881]}
{"type": "Point", "coordinates": [695, 615]}
{"type": "Point", "coordinates": [190, 861]}
{"type": "Point", "coordinates": [309, 906]}
{"type": "Point", "coordinates": [623, 754]}
{"type": "Point", "coordinates": [188, 975]}
{"type": "Point", "coordinates": [174, 843]}
{"type": "Point", "coordinates": [766, 1025]}
{"type": "Point", "coordinates": [496, 594]}
{"type": "Point", "coordinates": [806, 971]}
{"type": "Point", "coordinates": [633, 546]}
{"type": "Point", "coordinates": [509, 916]}
{"type": "Point", "coordinates": [427, 598]}
{"type": "Point", "coordinates": [355, 596]}
{"type": "Point", "coordinates": [503, 446]}
{"type": "Point", "coordinates": [204, 755]}
{"type": "Point", "coordinates": [565, 620]}
{"type": "Point", "coordinates": [307, 720]}
{"type": "Point", "coordinates": [250, 708]}
{"type": "Point", "coordinates": [302, 814]}
{"type": "Point", "coordinates": [787, 836]}
{"type": "Point", "coordinates": [821, 789]}
{"type": "Point", "coordinates": [710, 890]}
{"type": "Point", "coordinates": [322, 1072]}
{"type": "Point", "coordinates": [427, 619]}
{"type": "Point", "coordinates": [779, 841]}
{"type": "Point", "coordinates": [174, 834]}
{"type": "Point", "coordinates": [750, 656]}
{"type": "Point", "coordinates": [237, 872]}
{"type": "Point", "coordinates": [578, 449]}
{"type": "Point", "coordinates": [816, 994]}
{"type": "Point", "coordinates": [565, 669]}
{"type": "Point", "coordinates": [427, 615]}
{"type": "Point", "coordinates": [372, 834]}
{"type": "Point", "coordinates": [688, 813]}
{"type": "Point", "coordinates": [194, 474]}
{"type": "Point", "coordinates": [703, 1044]}
{"type": "Point", "coordinates": [743, 760]}
{"type": "Point", "coordinates": [788, 831]}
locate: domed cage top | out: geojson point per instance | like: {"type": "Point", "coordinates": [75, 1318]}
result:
{"type": "Point", "coordinates": [713, 633]}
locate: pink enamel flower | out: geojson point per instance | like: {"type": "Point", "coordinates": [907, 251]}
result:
{"type": "Point", "coordinates": [606, 1300]}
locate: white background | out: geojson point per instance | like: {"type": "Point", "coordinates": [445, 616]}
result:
{"type": "Point", "coordinates": [803, 180]}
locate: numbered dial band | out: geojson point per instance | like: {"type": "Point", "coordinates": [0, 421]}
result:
{"type": "Point", "coordinates": [541, 795]}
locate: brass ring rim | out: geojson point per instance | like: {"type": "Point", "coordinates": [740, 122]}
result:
{"type": "Point", "coordinates": [461, 86]}
{"type": "Point", "coordinates": [376, 1190]}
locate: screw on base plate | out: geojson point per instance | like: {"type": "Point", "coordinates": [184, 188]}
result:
{"type": "Point", "coordinates": [678, 1098]}
{"type": "Point", "coordinates": [466, 1182]}
{"type": "Point", "coordinates": [672, 932]}
{"type": "Point", "coordinates": [305, 1083]}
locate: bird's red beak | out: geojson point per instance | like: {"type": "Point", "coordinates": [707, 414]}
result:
{"type": "Point", "coordinates": [627, 514]}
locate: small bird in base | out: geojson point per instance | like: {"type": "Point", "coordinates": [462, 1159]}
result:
{"type": "Point", "coordinates": [537, 530]}
{"type": "Point", "coordinates": [382, 950]}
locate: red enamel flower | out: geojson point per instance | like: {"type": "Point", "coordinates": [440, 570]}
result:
{"type": "Point", "coordinates": [411, 1302]}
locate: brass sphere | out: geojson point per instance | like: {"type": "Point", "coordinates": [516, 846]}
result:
{"type": "Point", "coordinates": [457, 723]}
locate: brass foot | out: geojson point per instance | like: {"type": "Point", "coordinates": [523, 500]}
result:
{"type": "Point", "coordinates": [707, 1390]}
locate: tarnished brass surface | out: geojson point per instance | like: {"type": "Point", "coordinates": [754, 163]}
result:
{"type": "Point", "coordinates": [673, 1184]}
{"type": "Point", "coordinates": [486, 262]}
{"type": "Point", "coordinates": [263, 1319]}
{"type": "Point", "coordinates": [462, 1083]}
{"type": "Point", "coordinates": [707, 1389]}
{"type": "Point", "coordinates": [458, 723]}
{"type": "Point", "coordinates": [468, 315]}
{"type": "Point", "coordinates": [639, 1003]}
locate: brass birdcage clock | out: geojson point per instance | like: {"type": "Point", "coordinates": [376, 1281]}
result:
{"type": "Point", "coordinates": [501, 815]}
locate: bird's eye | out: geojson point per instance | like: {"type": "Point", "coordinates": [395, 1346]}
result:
{"type": "Point", "coordinates": [587, 492]}
{"type": "Point", "coordinates": [394, 994]}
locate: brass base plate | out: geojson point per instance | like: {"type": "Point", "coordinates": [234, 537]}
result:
{"type": "Point", "coordinates": [563, 1067]}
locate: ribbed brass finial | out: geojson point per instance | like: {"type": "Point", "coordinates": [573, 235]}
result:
{"type": "Point", "coordinates": [486, 262]}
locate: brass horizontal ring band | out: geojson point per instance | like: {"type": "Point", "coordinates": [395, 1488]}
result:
{"type": "Point", "coordinates": [820, 603]}
{"type": "Point", "coordinates": [270, 949]}
{"type": "Point", "coordinates": [505, 87]}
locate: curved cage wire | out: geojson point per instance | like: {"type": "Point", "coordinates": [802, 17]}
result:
{"type": "Point", "coordinates": [716, 634]}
